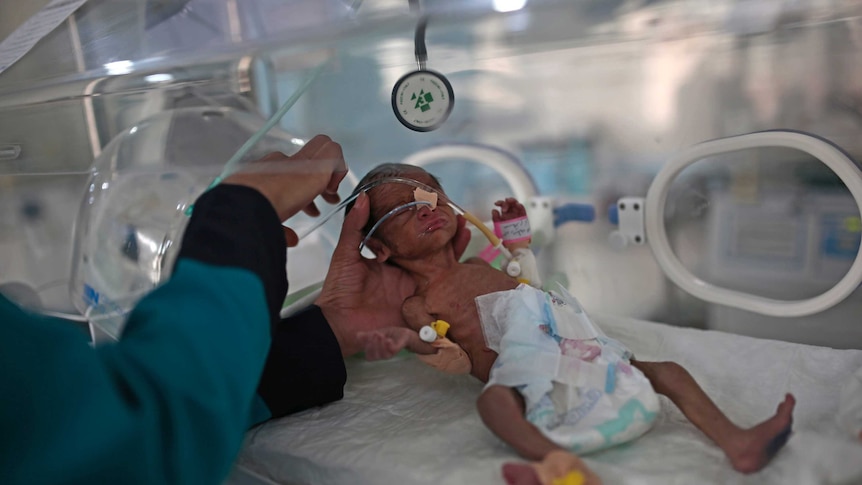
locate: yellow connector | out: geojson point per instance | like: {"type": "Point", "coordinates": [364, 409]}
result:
{"type": "Point", "coordinates": [572, 478]}
{"type": "Point", "coordinates": [440, 327]}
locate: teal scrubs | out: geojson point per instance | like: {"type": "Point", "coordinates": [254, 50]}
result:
{"type": "Point", "coordinates": [170, 401]}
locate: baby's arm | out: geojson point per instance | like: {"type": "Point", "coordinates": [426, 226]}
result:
{"type": "Point", "coordinates": [449, 356]}
{"type": "Point", "coordinates": [384, 343]}
{"type": "Point", "coordinates": [442, 354]}
{"type": "Point", "coordinates": [511, 209]}
{"type": "Point", "coordinates": [414, 313]}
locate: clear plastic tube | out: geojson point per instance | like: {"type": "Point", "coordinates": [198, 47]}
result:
{"type": "Point", "coordinates": [271, 122]}
{"type": "Point", "coordinates": [389, 214]}
{"type": "Point", "coordinates": [359, 190]}
{"type": "Point", "coordinates": [492, 238]}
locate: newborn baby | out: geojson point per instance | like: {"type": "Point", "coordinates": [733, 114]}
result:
{"type": "Point", "coordinates": [556, 385]}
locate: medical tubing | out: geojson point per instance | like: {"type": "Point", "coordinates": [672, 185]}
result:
{"type": "Point", "coordinates": [272, 121]}
{"type": "Point", "coordinates": [420, 50]}
{"type": "Point", "coordinates": [387, 216]}
{"type": "Point", "coordinates": [359, 190]}
{"type": "Point", "coordinates": [494, 240]}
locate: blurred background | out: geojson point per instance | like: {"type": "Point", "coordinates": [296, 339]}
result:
{"type": "Point", "coordinates": [127, 104]}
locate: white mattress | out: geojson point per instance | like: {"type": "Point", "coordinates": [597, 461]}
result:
{"type": "Point", "coordinates": [401, 422]}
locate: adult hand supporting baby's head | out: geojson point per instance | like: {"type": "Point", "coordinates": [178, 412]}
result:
{"type": "Point", "coordinates": [361, 295]}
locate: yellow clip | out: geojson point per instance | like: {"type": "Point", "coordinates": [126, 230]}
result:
{"type": "Point", "coordinates": [524, 281]}
{"type": "Point", "coordinates": [440, 327]}
{"type": "Point", "coordinates": [574, 477]}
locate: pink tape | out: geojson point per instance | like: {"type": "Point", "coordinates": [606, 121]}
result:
{"type": "Point", "coordinates": [490, 253]}
{"type": "Point", "coordinates": [513, 230]}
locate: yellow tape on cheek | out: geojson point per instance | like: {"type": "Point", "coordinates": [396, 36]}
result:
{"type": "Point", "coordinates": [450, 358]}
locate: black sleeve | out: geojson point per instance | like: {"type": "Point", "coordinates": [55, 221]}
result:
{"type": "Point", "coordinates": [234, 225]}
{"type": "Point", "coordinates": [304, 367]}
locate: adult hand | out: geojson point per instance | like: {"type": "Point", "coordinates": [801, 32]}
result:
{"type": "Point", "coordinates": [291, 183]}
{"type": "Point", "coordinates": [361, 295]}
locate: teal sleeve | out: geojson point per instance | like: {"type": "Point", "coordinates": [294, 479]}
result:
{"type": "Point", "coordinates": [167, 404]}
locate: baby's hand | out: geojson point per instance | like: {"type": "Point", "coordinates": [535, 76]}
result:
{"type": "Point", "coordinates": [385, 343]}
{"type": "Point", "coordinates": [509, 209]}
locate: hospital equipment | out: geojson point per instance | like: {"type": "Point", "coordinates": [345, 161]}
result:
{"type": "Point", "coordinates": [568, 106]}
{"type": "Point", "coordinates": [450, 357]}
{"type": "Point", "coordinates": [437, 328]}
{"type": "Point", "coordinates": [427, 334]}
{"type": "Point", "coordinates": [496, 242]}
{"type": "Point", "coordinates": [423, 99]}
{"type": "Point", "coordinates": [632, 227]}
{"type": "Point", "coordinates": [573, 478]}
{"type": "Point", "coordinates": [136, 197]}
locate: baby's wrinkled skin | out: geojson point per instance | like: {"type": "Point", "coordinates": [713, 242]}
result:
{"type": "Point", "coordinates": [420, 241]}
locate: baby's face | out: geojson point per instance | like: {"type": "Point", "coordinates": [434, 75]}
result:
{"type": "Point", "coordinates": [415, 231]}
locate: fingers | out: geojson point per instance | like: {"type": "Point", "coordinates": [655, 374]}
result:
{"type": "Point", "coordinates": [510, 208]}
{"type": "Point", "coordinates": [331, 153]}
{"type": "Point", "coordinates": [378, 346]}
{"type": "Point", "coordinates": [330, 197]}
{"type": "Point", "coordinates": [311, 209]}
{"type": "Point", "coordinates": [313, 146]}
{"type": "Point", "coordinates": [274, 157]}
{"type": "Point", "coordinates": [290, 237]}
{"type": "Point", "coordinates": [351, 231]}
{"type": "Point", "coordinates": [322, 149]}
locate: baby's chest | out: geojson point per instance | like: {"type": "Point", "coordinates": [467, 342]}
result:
{"type": "Point", "coordinates": [450, 304]}
{"type": "Point", "coordinates": [455, 296]}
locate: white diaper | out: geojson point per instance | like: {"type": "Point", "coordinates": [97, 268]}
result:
{"type": "Point", "coordinates": [578, 384]}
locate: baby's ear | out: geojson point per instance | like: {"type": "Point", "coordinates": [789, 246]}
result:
{"type": "Point", "coordinates": [380, 249]}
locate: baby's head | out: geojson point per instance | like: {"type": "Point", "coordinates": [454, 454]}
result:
{"type": "Point", "coordinates": [415, 231]}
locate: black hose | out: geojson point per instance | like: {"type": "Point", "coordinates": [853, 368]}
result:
{"type": "Point", "coordinates": [419, 41]}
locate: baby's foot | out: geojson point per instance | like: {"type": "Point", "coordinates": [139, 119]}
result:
{"type": "Point", "coordinates": [756, 446]}
{"type": "Point", "coordinates": [558, 467]}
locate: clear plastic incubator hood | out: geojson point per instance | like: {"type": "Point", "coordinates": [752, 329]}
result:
{"type": "Point", "coordinates": [137, 203]}
{"type": "Point", "coordinates": [121, 113]}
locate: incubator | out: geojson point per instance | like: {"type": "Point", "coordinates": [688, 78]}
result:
{"type": "Point", "coordinates": [112, 122]}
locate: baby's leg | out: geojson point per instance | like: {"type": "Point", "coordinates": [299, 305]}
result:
{"type": "Point", "coordinates": [502, 410]}
{"type": "Point", "coordinates": [749, 449]}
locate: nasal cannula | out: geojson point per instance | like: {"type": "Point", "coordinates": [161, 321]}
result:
{"type": "Point", "coordinates": [492, 238]}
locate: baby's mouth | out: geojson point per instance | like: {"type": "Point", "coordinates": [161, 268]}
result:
{"type": "Point", "coordinates": [435, 224]}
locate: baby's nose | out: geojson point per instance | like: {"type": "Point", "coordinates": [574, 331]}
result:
{"type": "Point", "coordinates": [423, 212]}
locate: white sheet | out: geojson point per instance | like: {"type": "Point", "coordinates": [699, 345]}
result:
{"type": "Point", "coordinates": [401, 422]}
